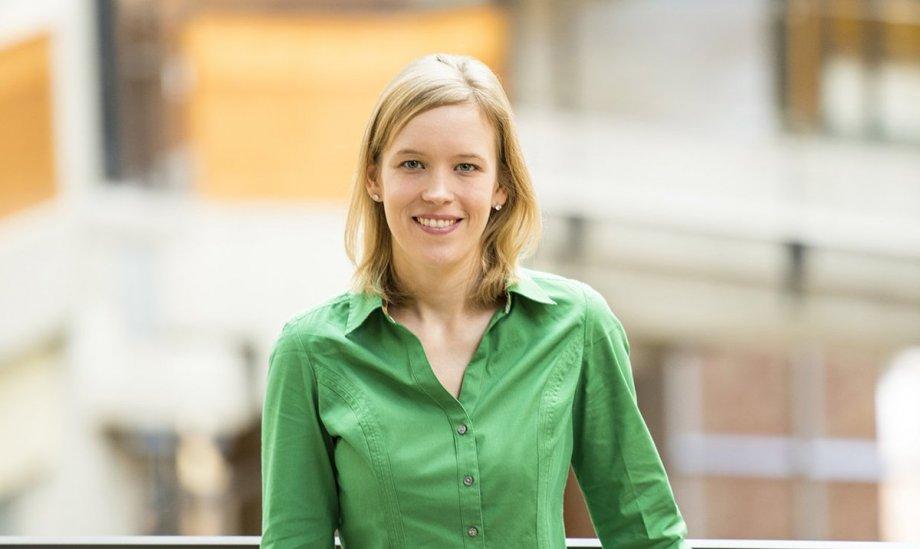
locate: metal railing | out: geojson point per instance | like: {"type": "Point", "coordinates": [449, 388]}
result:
{"type": "Point", "coordinates": [252, 542]}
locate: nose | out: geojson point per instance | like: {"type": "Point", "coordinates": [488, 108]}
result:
{"type": "Point", "coordinates": [437, 187]}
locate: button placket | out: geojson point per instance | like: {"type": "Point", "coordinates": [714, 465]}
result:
{"type": "Point", "coordinates": [469, 492]}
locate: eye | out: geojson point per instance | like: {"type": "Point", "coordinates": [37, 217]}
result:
{"type": "Point", "coordinates": [472, 167]}
{"type": "Point", "coordinates": [411, 167]}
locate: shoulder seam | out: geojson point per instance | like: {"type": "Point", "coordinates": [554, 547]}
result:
{"type": "Point", "coordinates": [618, 325]}
{"type": "Point", "coordinates": [316, 309]}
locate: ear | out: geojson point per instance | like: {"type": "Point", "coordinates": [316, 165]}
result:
{"type": "Point", "coordinates": [499, 196]}
{"type": "Point", "coordinates": [371, 183]}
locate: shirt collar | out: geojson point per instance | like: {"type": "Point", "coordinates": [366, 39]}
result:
{"type": "Point", "coordinates": [361, 305]}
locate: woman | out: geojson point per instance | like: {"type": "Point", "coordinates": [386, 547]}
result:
{"type": "Point", "coordinates": [440, 402]}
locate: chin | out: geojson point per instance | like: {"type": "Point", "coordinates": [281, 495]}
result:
{"type": "Point", "coordinates": [439, 257]}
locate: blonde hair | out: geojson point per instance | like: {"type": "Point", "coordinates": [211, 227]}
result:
{"type": "Point", "coordinates": [511, 233]}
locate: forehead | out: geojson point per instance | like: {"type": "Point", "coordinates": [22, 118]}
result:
{"type": "Point", "coordinates": [461, 128]}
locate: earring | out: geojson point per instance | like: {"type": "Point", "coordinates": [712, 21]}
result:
{"type": "Point", "coordinates": [497, 207]}
{"type": "Point", "coordinates": [377, 198]}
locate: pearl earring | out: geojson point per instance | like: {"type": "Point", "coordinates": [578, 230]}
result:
{"type": "Point", "coordinates": [497, 207]}
{"type": "Point", "coordinates": [377, 197]}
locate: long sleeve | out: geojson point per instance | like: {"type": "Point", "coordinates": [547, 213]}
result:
{"type": "Point", "coordinates": [614, 457]}
{"type": "Point", "coordinates": [299, 498]}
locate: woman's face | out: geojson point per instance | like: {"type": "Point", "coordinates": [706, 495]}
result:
{"type": "Point", "coordinates": [438, 183]}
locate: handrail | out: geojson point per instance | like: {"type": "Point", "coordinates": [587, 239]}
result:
{"type": "Point", "coordinates": [252, 542]}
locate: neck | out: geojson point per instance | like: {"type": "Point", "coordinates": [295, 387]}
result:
{"type": "Point", "coordinates": [440, 293]}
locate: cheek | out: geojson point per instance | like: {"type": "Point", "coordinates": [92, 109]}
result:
{"type": "Point", "coordinates": [396, 191]}
{"type": "Point", "coordinates": [483, 198]}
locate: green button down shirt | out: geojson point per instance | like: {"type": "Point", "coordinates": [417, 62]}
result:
{"type": "Point", "coordinates": [359, 435]}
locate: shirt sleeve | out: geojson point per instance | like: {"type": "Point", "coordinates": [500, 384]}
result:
{"type": "Point", "coordinates": [299, 497]}
{"type": "Point", "coordinates": [614, 457]}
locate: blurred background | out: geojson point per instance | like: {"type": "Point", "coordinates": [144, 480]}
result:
{"type": "Point", "coordinates": [739, 178]}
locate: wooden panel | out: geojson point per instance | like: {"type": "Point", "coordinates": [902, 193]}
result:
{"type": "Point", "coordinates": [27, 172]}
{"type": "Point", "coordinates": [850, 396]}
{"type": "Point", "coordinates": [803, 84]}
{"type": "Point", "coordinates": [897, 21]}
{"type": "Point", "coordinates": [853, 509]}
{"type": "Point", "coordinates": [902, 33]}
{"type": "Point", "coordinates": [279, 104]}
{"type": "Point", "coordinates": [575, 511]}
{"type": "Point", "coordinates": [847, 26]}
{"type": "Point", "coordinates": [746, 392]}
{"type": "Point", "coordinates": [744, 508]}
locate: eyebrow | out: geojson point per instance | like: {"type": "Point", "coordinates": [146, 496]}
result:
{"type": "Point", "coordinates": [419, 153]}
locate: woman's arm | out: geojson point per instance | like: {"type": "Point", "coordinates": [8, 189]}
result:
{"type": "Point", "coordinates": [614, 458]}
{"type": "Point", "coordinates": [299, 498]}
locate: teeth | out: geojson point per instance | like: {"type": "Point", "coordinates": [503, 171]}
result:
{"type": "Point", "coordinates": [437, 223]}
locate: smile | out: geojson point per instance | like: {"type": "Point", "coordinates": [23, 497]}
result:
{"type": "Point", "coordinates": [440, 226]}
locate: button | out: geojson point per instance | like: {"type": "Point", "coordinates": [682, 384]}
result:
{"type": "Point", "coordinates": [462, 429]}
{"type": "Point", "coordinates": [468, 480]}
{"type": "Point", "coordinates": [472, 532]}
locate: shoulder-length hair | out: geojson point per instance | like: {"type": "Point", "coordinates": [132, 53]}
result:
{"type": "Point", "coordinates": [511, 233]}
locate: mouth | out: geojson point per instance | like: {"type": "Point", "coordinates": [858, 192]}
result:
{"type": "Point", "coordinates": [432, 226]}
